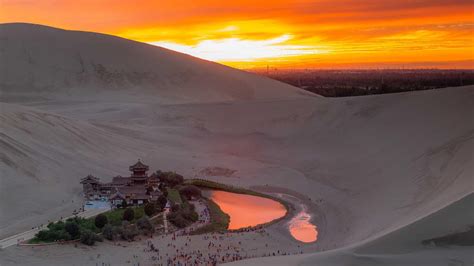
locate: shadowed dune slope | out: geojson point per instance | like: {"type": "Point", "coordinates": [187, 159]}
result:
{"type": "Point", "coordinates": [401, 247]}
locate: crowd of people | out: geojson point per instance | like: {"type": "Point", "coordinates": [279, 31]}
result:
{"type": "Point", "coordinates": [213, 253]}
{"type": "Point", "coordinates": [180, 248]}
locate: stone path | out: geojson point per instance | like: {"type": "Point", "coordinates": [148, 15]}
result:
{"type": "Point", "coordinates": [165, 220]}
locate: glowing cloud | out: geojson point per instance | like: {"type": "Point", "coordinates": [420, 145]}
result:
{"type": "Point", "coordinates": [236, 49]}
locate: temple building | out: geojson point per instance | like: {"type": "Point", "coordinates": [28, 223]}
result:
{"type": "Point", "coordinates": [137, 189]}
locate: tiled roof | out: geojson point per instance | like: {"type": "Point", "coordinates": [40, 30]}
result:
{"type": "Point", "coordinates": [139, 165]}
{"type": "Point", "coordinates": [119, 180]}
{"type": "Point", "coordinates": [131, 189]}
{"type": "Point", "coordinates": [116, 195]}
{"type": "Point", "coordinates": [90, 179]}
{"type": "Point", "coordinates": [134, 192]}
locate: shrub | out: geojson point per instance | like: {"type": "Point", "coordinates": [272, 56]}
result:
{"type": "Point", "coordinates": [124, 204]}
{"type": "Point", "coordinates": [178, 220]}
{"type": "Point", "coordinates": [108, 232]}
{"type": "Point", "coordinates": [145, 225]}
{"type": "Point", "coordinates": [89, 237]}
{"type": "Point", "coordinates": [190, 191]}
{"type": "Point", "coordinates": [190, 215]}
{"type": "Point", "coordinates": [128, 215]}
{"type": "Point", "coordinates": [52, 235]}
{"type": "Point", "coordinates": [150, 209]}
{"type": "Point", "coordinates": [61, 235]}
{"type": "Point", "coordinates": [59, 225]}
{"type": "Point", "coordinates": [175, 207]}
{"type": "Point", "coordinates": [117, 231]}
{"type": "Point", "coordinates": [130, 232]}
{"type": "Point", "coordinates": [42, 235]}
{"type": "Point", "coordinates": [100, 221]}
{"type": "Point", "coordinates": [73, 229]}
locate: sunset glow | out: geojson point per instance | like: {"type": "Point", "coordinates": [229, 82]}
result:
{"type": "Point", "coordinates": [295, 34]}
{"type": "Point", "coordinates": [235, 49]}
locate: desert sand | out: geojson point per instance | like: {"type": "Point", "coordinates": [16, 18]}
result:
{"type": "Point", "coordinates": [379, 174]}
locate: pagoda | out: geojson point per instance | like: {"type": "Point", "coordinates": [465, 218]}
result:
{"type": "Point", "coordinates": [139, 173]}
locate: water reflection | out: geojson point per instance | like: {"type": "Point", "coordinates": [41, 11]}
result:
{"type": "Point", "coordinates": [247, 210]}
{"type": "Point", "coordinates": [302, 229]}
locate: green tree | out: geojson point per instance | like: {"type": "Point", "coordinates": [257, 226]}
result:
{"type": "Point", "coordinates": [161, 201]}
{"type": "Point", "coordinates": [128, 214]}
{"type": "Point", "coordinates": [150, 209]}
{"type": "Point", "coordinates": [100, 220]}
{"type": "Point", "coordinates": [190, 192]}
{"type": "Point", "coordinates": [73, 229]}
{"type": "Point", "coordinates": [171, 179]}
{"type": "Point", "coordinates": [183, 215]}
{"type": "Point", "coordinates": [124, 204]}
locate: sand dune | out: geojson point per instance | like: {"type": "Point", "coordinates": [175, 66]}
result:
{"type": "Point", "coordinates": [378, 169]}
{"type": "Point", "coordinates": [39, 59]}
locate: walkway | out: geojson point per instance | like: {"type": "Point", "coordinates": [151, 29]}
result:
{"type": "Point", "coordinates": [165, 220]}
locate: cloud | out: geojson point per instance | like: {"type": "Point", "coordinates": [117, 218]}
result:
{"type": "Point", "coordinates": [235, 49]}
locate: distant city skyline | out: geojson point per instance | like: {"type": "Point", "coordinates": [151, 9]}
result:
{"type": "Point", "coordinates": [282, 34]}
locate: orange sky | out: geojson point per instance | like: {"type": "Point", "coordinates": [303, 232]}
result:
{"type": "Point", "coordinates": [294, 34]}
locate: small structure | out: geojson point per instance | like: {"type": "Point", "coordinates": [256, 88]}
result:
{"type": "Point", "coordinates": [117, 198]}
{"type": "Point", "coordinates": [137, 189]}
{"type": "Point", "coordinates": [90, 184]}
{"type": "Point", "coordinates": [167, 206]}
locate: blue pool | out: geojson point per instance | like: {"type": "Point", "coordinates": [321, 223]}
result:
{"type": "Point", "coordinates": [96, 204]}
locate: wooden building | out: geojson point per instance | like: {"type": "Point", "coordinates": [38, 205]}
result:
{"type": "Point", "coordinates": [137, 189]}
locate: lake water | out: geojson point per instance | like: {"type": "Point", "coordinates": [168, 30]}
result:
{"type": "Point", "coordinates": [246, 210]}
{"type": "Point", "coordinates": [302, 229]}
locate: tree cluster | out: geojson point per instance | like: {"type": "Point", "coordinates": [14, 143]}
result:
{"type": "Point", "coordinates": [183, 215]}
{"type": "Point", "coordinates": [171, 179]}
{"type": "Point", "coordinates": [71, 229]}
{"type": "Point", "coordinates": [190, 192]}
